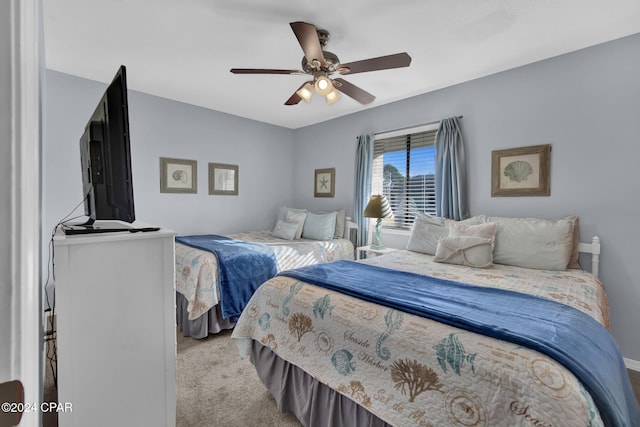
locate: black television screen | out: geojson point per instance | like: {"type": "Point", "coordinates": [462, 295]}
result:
{"type": "Point", "coordinates": [106, 159]}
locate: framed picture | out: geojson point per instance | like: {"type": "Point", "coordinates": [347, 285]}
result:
{"type": "Point", "coordinates": [324, 183]}
{"type": "Point", "coordinates": [223, 179]}
{"type": "Point", "coordinates": [522, 171]}
{"type": "Point", "coordinates": [178, 175]}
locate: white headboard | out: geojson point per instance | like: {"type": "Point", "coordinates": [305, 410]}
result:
{"type": "Point", "coordinates": [592, 248]}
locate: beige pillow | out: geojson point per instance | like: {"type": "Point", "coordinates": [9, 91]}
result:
{"type": "Point", "coordinates": [575, 254]}
{"type": "Point", "coordinates": [472, 251]}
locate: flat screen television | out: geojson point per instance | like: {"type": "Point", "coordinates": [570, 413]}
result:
{"type": "Point", "coordinates": [106, 163]}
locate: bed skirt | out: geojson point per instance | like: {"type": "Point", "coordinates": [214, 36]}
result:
{"type": "Point", "coordinates": [313, 403]}
{"type": "Point", "coordinates": [210, 322]}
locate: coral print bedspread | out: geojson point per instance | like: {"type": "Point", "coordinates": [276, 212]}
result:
{"type": "Point", "coordinates": [197, 270]}
{"type": "Point", "coordinates": [410, 370]}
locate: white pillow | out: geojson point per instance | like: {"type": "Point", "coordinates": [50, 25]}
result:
{"type": "Point", "coordinates": [425, 234]}
{"type": "Point", "coordinates": [544, 244]}
{"type": "Point", "coordinates": [319, 226]}
{"type": "Point", "coordinates": [298, 218]}
{"type": "Point", "coordinates": [285, 230]}
{"type": "Point", "coordinates": [282, 213]}
{"type": "Point", "coordinates": [340, 222]}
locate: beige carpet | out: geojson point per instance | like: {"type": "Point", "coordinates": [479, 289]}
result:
{"type": "Point", "coordinates": [215, 388]}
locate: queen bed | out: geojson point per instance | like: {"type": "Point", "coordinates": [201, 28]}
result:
{"type": "Point", "coordinates": [201, 290]}
{"type": "Point", "coordinates": [337, 350]}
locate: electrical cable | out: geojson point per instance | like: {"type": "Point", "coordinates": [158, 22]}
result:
{"type": "Point", "coordinates": [50, 332]}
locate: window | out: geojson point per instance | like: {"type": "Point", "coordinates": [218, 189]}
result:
{"type": "Point", "coordinates": [404, 172]}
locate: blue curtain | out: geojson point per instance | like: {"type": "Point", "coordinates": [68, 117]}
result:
{"type": "Point", "coordinates": [362, 191]}
{"type": "Point", "coordinates": [451, 195]}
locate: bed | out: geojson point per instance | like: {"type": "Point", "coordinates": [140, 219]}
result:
{"type": "Point", "coordinates": [333, 356]}
{"type": "Point", "coordinates": [199, 296]}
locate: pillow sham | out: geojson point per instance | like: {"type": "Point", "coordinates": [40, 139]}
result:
{"type": "Point", "coordinates": [472, 251]}
{"type": "Point", "coordinates": [285, 230]}
{"type": "Point", "coordinates": [319, 226]}
{"type": "Point", "coordinates": [425, 233]}
{"type": "Point", "coordinates": [298, 218]}
{"type": "Point", "coordinates": [543, 244]}
{"type": "Point", "coordinates": [437, 220]}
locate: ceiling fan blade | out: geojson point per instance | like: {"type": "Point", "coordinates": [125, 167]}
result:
{"type": "Point", "coordinates": [307, 36]}
{"type": "Point", "coordinates": [263, 71]}
{"type": "Point", "coordinates": [295, 98]}
{"type": "Point", "coordinates": [360, 95]}
{"type": "Point", "coordinates": [397, 60]}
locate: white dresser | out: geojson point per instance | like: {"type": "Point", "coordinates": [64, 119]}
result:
{"type": "Point", "coordinates": [115, 308]}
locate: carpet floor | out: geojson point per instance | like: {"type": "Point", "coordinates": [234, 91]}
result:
{"type": "Point", "coordinates": [216, 388]}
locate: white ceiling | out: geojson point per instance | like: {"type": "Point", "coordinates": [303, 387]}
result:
{"type": "Point", "coordinates": [183, 49]}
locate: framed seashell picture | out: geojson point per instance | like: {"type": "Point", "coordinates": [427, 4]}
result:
{"type": "Point", "coordinates": [178, 175]}
{"type": "Point", "coordinates": [522, 171]}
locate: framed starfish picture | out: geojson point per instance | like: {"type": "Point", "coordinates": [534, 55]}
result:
{"type": "Point", "coordinates": [324, 183]}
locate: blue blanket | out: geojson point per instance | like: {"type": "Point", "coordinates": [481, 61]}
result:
{"type": "Point", "coordinates": [571, 337]}
{"type": "Point", "coordinates": [242, 267]}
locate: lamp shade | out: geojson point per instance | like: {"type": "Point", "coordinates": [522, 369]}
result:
{"type": "Point", "coordinates": [305, 92]}
{"type": "Point", "coordinates": [332, 97]}
{"type": "Point", "coordinates": [323, 85]}
{"type": "Point", "coordinates": [378, 207]}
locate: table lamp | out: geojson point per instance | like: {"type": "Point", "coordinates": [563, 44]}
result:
{"type": "Point", "coordinates": [378, 207]}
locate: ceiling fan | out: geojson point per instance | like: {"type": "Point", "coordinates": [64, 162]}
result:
{"type": "Point", "coordinates": [321, 64]}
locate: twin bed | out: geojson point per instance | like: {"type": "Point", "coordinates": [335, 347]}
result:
{"type": "Point", "coordinates": [198, 279]}
{"type": "Point", "coordinates": [455, 346]}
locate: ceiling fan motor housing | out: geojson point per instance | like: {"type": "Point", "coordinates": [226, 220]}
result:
{"type": "Point", "coordinates": [330, 58]}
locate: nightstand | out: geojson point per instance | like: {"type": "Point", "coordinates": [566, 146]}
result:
{"type": "Point", "coordinates": [361, 250]}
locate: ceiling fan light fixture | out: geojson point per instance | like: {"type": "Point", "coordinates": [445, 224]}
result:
{"type": "Point", "coordinates": [332, 96]}
{"type": "Point", "coordinates": [306, 92]}
{"type": "Point", "coordinates": [323, 85]}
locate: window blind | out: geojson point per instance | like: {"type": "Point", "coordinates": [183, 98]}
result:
{"type": "Point", "coordinates": [404, 172]}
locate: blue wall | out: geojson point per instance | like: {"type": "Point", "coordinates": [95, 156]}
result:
{"type": "Point", "coordinates": [586, 104]}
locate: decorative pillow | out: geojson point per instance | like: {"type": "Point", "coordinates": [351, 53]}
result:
{"type": "Point", "coordinates": [298, 218]}
{"type": "Point", "coordinates": [425, 233]}
{"type": "Point", "coordinates": [544, 244]}
{"type": "Point", "coordinates": [319, 226]}
{"type": "Point", "coordinates": [487, 230]}
{"type": "Point", "coordinates": [285, 230]}
{"type": "Point", "coordinates": [465, 250]}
